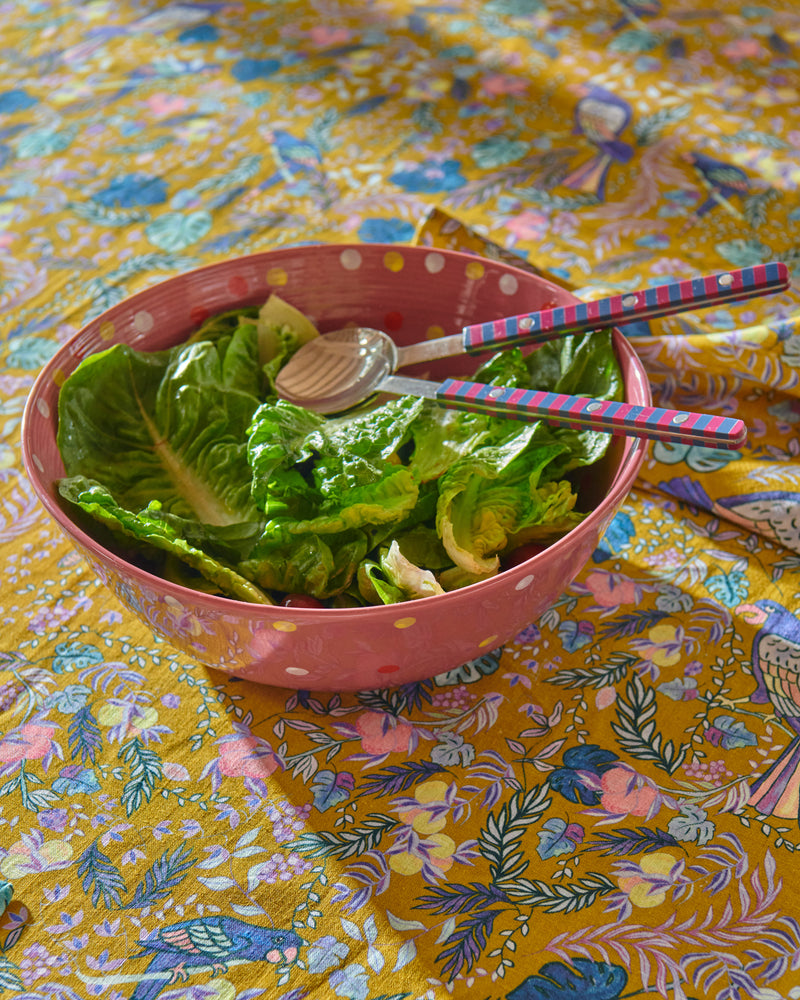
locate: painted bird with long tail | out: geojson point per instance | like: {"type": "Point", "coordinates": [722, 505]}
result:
{"type": "Point", "coordinates": [216, 942]}
{"type": "Point", "coordinates": [601, 117]}
{"type": "Point", "coordinates": [776, 665]}
{"type": "Point", "coordinates": [722, 181]}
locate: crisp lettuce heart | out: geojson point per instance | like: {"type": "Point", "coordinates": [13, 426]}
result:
{"type": "Point", "coordinates": [498, 493]}
{"type": "Point", "coordinates": [395, 578]}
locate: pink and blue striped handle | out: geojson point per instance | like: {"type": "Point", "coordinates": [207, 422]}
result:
{"type": "Point", "coordinates": [585, 413]}
{"type": "Point", "coordinates": [648, 303]}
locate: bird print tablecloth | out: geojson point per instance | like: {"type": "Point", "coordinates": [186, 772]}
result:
{"type": "Point", "coordinates": [608, 806]}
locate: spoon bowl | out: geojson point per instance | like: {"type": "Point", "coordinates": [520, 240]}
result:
{"type": "Point", "coordinates": [339, 370]}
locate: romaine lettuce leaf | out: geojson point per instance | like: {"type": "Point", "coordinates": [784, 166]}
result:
{"type": "Point", "coordinates": [222, 324]}
{"type": "Point", "coordinates": [442, 436]}
{"type": "Point", "coordinates": [331, 475]}
{"type": "Point", "coordinates": [374, 588]}
{"type": "Point", "coordinates": [326, 487]}
{"type": "Point", "coordinates": [314, 564]}
{"type": "Point", "coordinates": [148, 529]}
{"type": "Point", "coordinates": [578, 365]}
{"type": "Point", "coordinates": [410, 578]}
{"type": "Point", "coordinates": [168, 426]}
{"type": "Point", "coordinates": [582, 364]}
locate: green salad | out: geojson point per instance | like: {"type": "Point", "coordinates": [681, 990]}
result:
{"type": "Point", "coordinates": [187, 462]}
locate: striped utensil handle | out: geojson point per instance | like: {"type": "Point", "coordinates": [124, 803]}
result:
{"type": "Point", "coordinates": [647, 303]}
{"type": "Point", "coordinates": [585, 413]}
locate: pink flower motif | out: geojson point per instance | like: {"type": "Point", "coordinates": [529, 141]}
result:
{"type": "Point", "coordinates": [325, 35]}
{"type": "Point", "coordinates": [610, 590]}
{"type": "Point", "coordinates": [528, 225]}
{"type": "Point", "coordinates": [247, 757]}
{"type": "Point", "coordinates": [279, 868]}
{"type": "Point", "coordinates": [29, 742]}
{"type": "Point", "coordinates": [744, 48]}
{"type": "Point", "coordinates": [382, 733]}
{"type": "Point", "coordinates": [667, 559]}
{"type": "Point", "coordinates": [163, 105]}
{"type": "Point", "coordinates": [497, 84]}
{"type": "Point", "coordinates": [39, 963]}
{"type": "Point", "coordinates": [606, 696]}
{"type": "Point", "coordinates": [624, 792]}
{"type": "Point", "coordinates": [243, 755]}
{"type": "Point", "coordinates": [49, 618]}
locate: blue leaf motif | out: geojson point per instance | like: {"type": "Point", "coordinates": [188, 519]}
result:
{"type": "Point", "coordinates": [430, 177]}
{"type": "Point", "coordinates": [199, 33]}
{"type": "Point", "coordinates": [567, 781]}
{"type": "Point", "coordinates": [325, 953]}
{"type": "Point", "coordinates": [498, 150]}
{"type": "Point", "coordinates": [71, 699]}
{"type": "Point", "coordinates": [44, 142]}
{"type": "Point", "coordinates": [351, 982]}
{"type": "Point", "coordinates": [583, 978]}
{"type": "Point", "coordinates": [470, 671]}
{"type": "Point", "coordinates": [30, 353]}
{"type": "Point", "coordinates": [574, 634]}
{"type": "Point", "coordinates": [330, 788]}
{"type": "Point", "coordinates": [76, 780]}
{"type": "Point", "coordinates": [132, 191]}
{"type": "Point", "coordinates": [672, 599]}
{"type": "Point", "coordinates": [385, 231]}
{"type": "Point", "coordinates": [75, 656]}
{"type": "Point", "coordinates": [679, 688]}
{"type": "Point", "coordinates": [616, 539]}
{"type": "Point", "coordinates": [16, 100]}
{"type": "Point", "coordinates": [729, 589]}
{"type": "Point", "coordinates": [698, 459]}
{"type": "Point", "coordinates": [553, 839]}
{"type": "Point", "coordinates": [176, 231]}
{"type": "Point", "coordinates": [734, 733]}
{"type": "Point", "coordinates": [692, 825]}
{"type": "Point", "coordinates": [254, 69]}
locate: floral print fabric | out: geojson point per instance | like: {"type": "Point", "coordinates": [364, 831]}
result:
{"type": "Point", "coordinates": [606, 807]}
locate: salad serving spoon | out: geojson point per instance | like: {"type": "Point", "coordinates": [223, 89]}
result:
{"type": "Point", "coordinates": [340, 369]}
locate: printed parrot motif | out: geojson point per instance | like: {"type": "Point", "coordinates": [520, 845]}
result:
{"type": "Point", "coordinates": [721, 180]}
{"type": "Point", "coordinates": [209, 941]}
{"type": "Point", "coordinates": [601, 117]}
{"type": "Point", "coordinates": [776, 665]}
{"type": "Point", "coordinates": [775, 514]}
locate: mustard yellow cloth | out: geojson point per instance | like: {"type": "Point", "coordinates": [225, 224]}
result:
{"type": "Point", "coordinates": [608, 806]}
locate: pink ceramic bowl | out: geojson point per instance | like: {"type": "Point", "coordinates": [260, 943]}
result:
{"type": "Point", "coordinates": [411, 292]}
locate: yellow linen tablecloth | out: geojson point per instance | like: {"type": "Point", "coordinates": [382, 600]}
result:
{"type": "Point", "coordinates": [608, 806]}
